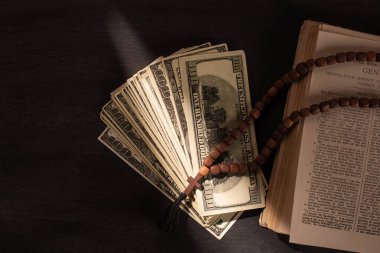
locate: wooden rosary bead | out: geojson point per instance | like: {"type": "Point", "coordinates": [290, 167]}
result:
{"type": "Point", "coordinates": [234, 168]}
{"type": "Point", "coordinates": [324, 106]}
{"type": "Point", "coordinates": [305, 112]}
{"type": "Point", "coordinates": [295, 116]}
{"type": "Point", "coordinates": [236, 133]}
{"type": "Point", "coordinates": [260, 105]}
{"type": "Point", "coordinates": [266, 152]}
{"type": "Point", "coordinates": [333, 103]}
{"type": "Point", "coordinates": [273, 91]}
{"type": "Point", "coordinates": [321, 61]}
{"type": "Point", "coordinates": [204, 171]}
{"type": "Point", "coordinates": [287, 122]}
{"type": "Point", "coordinates": [243, 126]}
{"type": "Point", "coordinates": [267, 99]}
{"type": "Point", "coordinates": [282, 129]}
{"type": "Point", "coordinates": [208, 161]}
{"type": "Point", "coordinates": [302, 68]}
{"type": "Point", "coordinates": [371, 56]}
{"type": "Point", "coordinates": [225, 168]}
{"type": "Point", "coordinates": [215, 169]}
{"type": "Point", "coordinates": [331, 59]}
{"type": "Point", "coordinates": [341, 57]}
{"type": "Point", "coordinates": [271, 143]}
{"type": "Point", "coordinates": [310, 64]}
{"type": "Point", "coordinates": [344, 102]}
{"type": "Point", "coordinates": [229, 140]}
{"type": "Point", "coordinates": [260, 159]}
{"type": "Point", "coordinates": [361, 56]}
{"type": "Point", "coordinates": [249, 119]}
{"type": "Point", "coordinates": [255, 113]}
{"type": "Point", "coordinates": [294, 74]}
{"type": "Point", "coordinates": [364, 102]}
{"type": "Point", "coordinates": [276, 136]}
{"type": "Point", "coordinates": [374, 102]}
{"type": "Point", "coordinates": [377, 57]}
{"type": "Point", "coordinates": [278, 84]}
{"type": "Point", "coordinates": [253, 166]}
{"type": "Point", "coordinates": [354, 101]}
{"type": "Point", "coordinates": [351, 56]}
{"type": "Point", "coordinates": [215, 153]}
{"type": "Point", "coordinates": [314, 109]}
{"type": "Point", "coordinates": [286, 79]}
{"type": "Point", "coordinates": [222, 146]}
{"type": "Point", "coordinates": [243, 168]}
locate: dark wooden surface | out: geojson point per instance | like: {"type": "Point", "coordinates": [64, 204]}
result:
{"type": "Point", "coordinates": [60, 189]}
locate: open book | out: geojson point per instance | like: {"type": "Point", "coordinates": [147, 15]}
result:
{"type": "Point", "coordinates": [325, 184]}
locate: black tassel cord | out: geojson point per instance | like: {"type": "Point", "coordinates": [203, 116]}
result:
{"type": "Point", "coordinates": [169, 221]}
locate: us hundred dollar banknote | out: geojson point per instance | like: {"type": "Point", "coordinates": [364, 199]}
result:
{"type": "Point", "coordinates": [166, 118]}
{"type": "Point", "coordinates": [216, 97]}
{"type": "Point", "coordinates": [171, 67]}
{"type": "Point", "coordinates": [112, 141]}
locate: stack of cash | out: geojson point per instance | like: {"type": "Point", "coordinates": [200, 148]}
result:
{"type": "Point", "coordinates": [164, 120]}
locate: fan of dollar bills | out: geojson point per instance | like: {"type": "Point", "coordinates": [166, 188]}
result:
{"type": "Point", "coordinates": [164, 120]}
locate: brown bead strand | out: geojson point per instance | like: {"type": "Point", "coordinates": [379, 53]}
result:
{"type": "Point", "coordinates": [288, 123]}
{"type": "Point", "coordinates": [377, 57]}
{"type": "Point", "coordinates": [225, 168]}
{"type": "Point", "coordinates": [303, 69]}
{"type": "Point", "coordinates": [373, 103]}
{"type": "Point", "coordinates": [351, 56]}
{"type": "Point", "coordinates": [344, 102]}
{"type": "Point", "coordinates": [371, 56]}
{"type": "Point", "coordinates": [233, 168]}
{"type": "Point", "coordinates": [298, 72]}
{"type": "Point", "coordinates": [331, 59]}
{"type": "Point", "coordinates": [215, 169]}
{"type": "Point", "coordinates": [341, 57]}
{"type": "Point", "coordinates": [223, 146]}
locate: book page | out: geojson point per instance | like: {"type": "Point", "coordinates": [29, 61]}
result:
{"type": "Point", "coordinates": [337, 197]}
{"type": "Point", "coordinates": [279, 202]}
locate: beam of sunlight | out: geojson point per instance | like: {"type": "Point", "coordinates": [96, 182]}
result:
{"type": "Point", "coordinates": [131, 50]}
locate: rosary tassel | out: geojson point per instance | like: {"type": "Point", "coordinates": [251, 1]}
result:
{"type": "Point", "coordinates": [169, 221]}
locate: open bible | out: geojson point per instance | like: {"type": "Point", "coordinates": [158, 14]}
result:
{"type": "Point", "coordinates": [325, 183]}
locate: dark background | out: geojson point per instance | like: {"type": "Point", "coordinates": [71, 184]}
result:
{"type": "Point", "coordinates": [60, 189]}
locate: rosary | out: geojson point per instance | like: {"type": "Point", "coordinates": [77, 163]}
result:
{"type": "Point", "coordinates": [301, 70]}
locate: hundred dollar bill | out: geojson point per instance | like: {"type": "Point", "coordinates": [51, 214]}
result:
{"type": "Point", "coordinates": [172, 130]}
{"type": "Point", "coordinates": [147, 101]}
{"type": "Point", "coordinates": [111, 141]}
{"type": "Point", "coordinates": [173, 74]}
{"type": "Point", "coordinates": [121, 125]}
{"type": "Point", "coordinates": [216, 97]}
{"type": "Point", "coordinates": [125, 131]}
{"type": "Point", "coordinates": [149, 121]}
{"type": "Point", "coordinates": [164, 96]}
{"type": "Point", "coordinates": [155, 78]}
{"type": "Point", "coordinates": [171, 65]}
{"type": "Point", "coordinates": [157, 75]}
{"type": "Point", "coordinates": [187, 49]}
{"type": "Point", "coordinates": [171, 85]}
{"type": "Point", "coordinates": [123, 104]}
